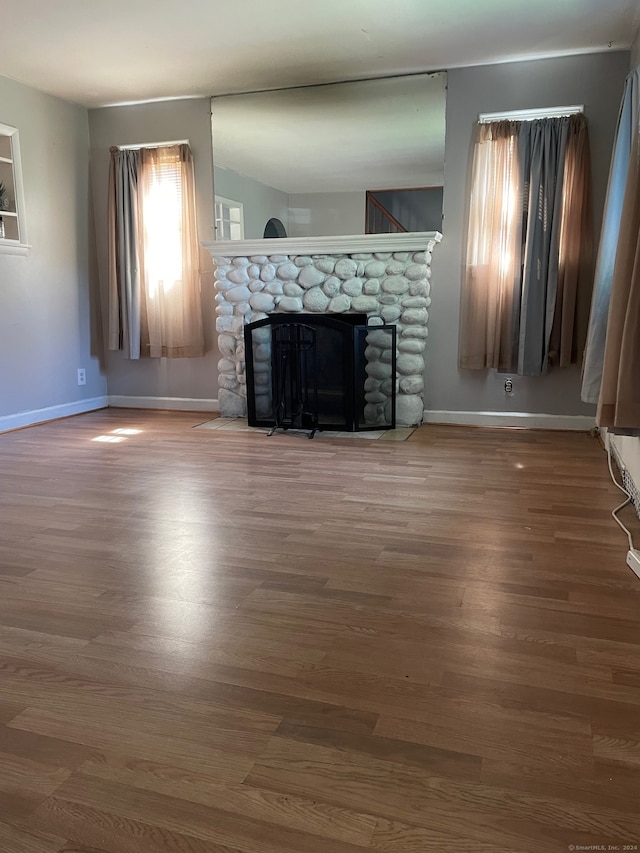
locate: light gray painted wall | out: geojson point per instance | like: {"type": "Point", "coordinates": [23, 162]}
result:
{"type": "Point", "coordinates": [261, 202]}
{"type": "Point", "coordinates": [595, 80]}
{"type": "Point", "coordinates": [326, 214]}
{"type": "Point", "coordinates": [147, 123]}
{"type": "Point", "coordinates": [47, 309]}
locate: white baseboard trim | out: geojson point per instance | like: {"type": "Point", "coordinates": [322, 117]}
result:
{"type": "Point", "coordinates": [177, 404]}
{"type": "Point", "coordinates": [525, 420]}
{"type": "Point", "coordinates": [51, 413]}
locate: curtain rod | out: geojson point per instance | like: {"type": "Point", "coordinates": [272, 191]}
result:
{"type": "Point", "coordinates": [152, 145]}
{"type": "Point", "coordinates": [433, 73]}
{"type": "Point", "coordinates": [529, 115]}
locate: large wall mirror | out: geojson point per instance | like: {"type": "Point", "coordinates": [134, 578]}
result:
{"type": "Point", "coordinates": [345, 158]}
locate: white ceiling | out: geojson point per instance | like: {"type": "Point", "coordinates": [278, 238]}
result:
{"type": "Point", "coordinates": [95, 52]}
{"type": "Point", "coordinates": [374, 134]}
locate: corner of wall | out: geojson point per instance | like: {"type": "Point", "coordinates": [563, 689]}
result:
{"type": "Point", "coordinates": [635, 47]}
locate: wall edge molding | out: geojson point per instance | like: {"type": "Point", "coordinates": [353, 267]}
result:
{"type": "Point", "coordinates": [523, 420]}
{"type": "Point", "coordinates": [32, 417]}
{"type": "Point", "coordinates": [176, 404]}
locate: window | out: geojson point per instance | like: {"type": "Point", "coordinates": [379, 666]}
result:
{"type": "Point", "coordinates": [529, 246]}
{"type": "Point", "coordinates": [161, 213]}
{"type": "Point", "coordinates": [229, 219]}
{"type": "Point", "coordinates": [154, 277]}
{"type": "Point", "coordinates": [13, 236]}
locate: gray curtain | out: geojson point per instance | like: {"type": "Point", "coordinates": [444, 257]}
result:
{"type": "Point", "coordinates": [541, 152]}
{"type": "Point", "coordinates": [124, 258]}
{"type": "Point", "coordinates": [628, 121]}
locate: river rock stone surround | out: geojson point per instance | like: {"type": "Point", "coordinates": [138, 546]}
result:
{"type": "Point", "coordinates": [393, 285]}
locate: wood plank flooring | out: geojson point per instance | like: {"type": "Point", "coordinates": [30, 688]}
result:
{"type": "Point", "coordinates": [219, 642]}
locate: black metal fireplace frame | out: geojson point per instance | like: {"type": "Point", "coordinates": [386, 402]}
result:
{"type": "Point", "coordinates": [354, 401]}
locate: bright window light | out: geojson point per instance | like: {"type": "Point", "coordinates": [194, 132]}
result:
{"type": "Point", "coordinates": [162, 217]}
{"type": "Point", "coordinates": [111, 439]}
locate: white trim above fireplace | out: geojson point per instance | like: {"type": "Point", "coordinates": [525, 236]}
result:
{"type": "Point", "coordinates": [347, 244]}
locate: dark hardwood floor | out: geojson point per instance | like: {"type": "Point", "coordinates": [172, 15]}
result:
{"type": "Point", "coordinates": [219, 642]}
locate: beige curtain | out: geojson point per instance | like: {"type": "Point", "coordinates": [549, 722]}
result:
{"type": "Point", "coordinates": [154, 276]}
{"type": "Point", "coordinates": [493, 250]}
{"type": "Point", "coordinates": [619, 403]}
{"type": "Point", "coordinates": [628, 124]}
{"type": "Point", "coordinates": [529, 250]}
{"type": "Point", "coordinates": [171, 312]}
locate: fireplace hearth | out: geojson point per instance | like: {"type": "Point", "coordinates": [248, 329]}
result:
{"type": "Point", "coordinates": [319, 372]}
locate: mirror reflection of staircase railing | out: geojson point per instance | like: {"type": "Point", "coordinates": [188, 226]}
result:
{"type": "Point", "coordinates": [379, 220]}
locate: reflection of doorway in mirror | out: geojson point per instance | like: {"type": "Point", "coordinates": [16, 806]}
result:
{"type": "Point", "coordinates": [229, 219]}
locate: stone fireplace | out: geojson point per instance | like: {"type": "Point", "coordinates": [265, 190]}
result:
{"type": "Point", "coordinates": [383, 276]}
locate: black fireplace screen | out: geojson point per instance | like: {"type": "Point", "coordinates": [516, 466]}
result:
{"type": "Point", "coordinates": [313, 371]}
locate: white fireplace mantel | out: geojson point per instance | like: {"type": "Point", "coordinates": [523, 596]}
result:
{"type": "Point", "coordinates": [348, 244]}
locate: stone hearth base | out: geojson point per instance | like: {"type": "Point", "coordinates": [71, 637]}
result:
{"type": "Point", "coordinates": [241, 425]}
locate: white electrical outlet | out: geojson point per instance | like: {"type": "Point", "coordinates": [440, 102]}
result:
{"type": "Point", "coordinates": [82, 376]}
{"type": "Point", "coordinates": [633, 561]}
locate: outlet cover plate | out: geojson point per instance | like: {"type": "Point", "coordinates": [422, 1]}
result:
{"type": "Point", "coordinates": [633, 561]}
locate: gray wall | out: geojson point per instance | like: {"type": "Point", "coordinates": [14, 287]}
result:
{"type": "Point", "coordinates": [261, 202]}
{"type": "Point", "coordinates": [47, 309]}
{"type": "Point", "coordinates": [326, 214]}
{"type": "Point", "coordinates": [595, 80]}
{"type": "Point", "coordinates": [148, 123]}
